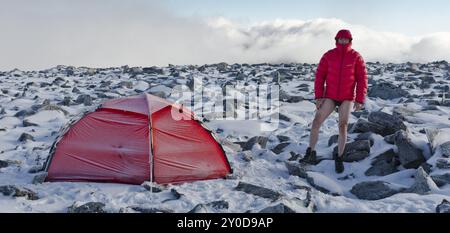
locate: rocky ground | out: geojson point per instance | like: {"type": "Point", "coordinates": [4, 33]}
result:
{"type": "Point", "coordinates": [397, 157]}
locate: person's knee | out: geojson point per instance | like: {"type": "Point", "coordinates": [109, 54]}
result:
{"type": "Point", "coordinates": [343, 125]}
{"type": "Point", "coordinates": [317, 122]}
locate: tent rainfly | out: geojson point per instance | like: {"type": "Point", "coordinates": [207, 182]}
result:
{"type": "Point", "coordinates": [136, 139]}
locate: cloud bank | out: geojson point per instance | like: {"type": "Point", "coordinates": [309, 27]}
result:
{"type": "Point", "coordinates": [88, 33]}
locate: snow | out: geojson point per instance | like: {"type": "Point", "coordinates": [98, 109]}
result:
{"type": "Point", "coordinates": [266, 169]}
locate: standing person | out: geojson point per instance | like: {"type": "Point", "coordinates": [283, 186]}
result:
{"type": "Point", "coordinates": [340, 73]}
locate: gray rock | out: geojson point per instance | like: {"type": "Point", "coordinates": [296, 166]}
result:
{"type": "Point", "coordinates": [333, 139]}
{"type": "Point", "coordinates": [364, 126]}
{"type": "Point", "coordinates": [247, 155]}
{"type": "Point", "coordinates": [277, 209]}
{"type": "Point", "coordinates": [441, 180]}
{"type": "Point", "coordinates": [51, 107]}
{"type": "Point", "coordinates": [445, 148]}
{"type": "Point", "coordinates": [285, 97]}
{"type": "Point", "coordinates": [127, 84]}
{"type": "Point", "coordinates": [423, 184]}
{"type": "Point", "coordinates": [284, 117]}
{"type": "Point", "coordinates": [373, 190]}
{"type": "Point", "coordinates": [294, 156]}
{"type": "Point", "coordinates": [390, 139]}
{"type": "Point", "coordinates": [152, 187]}
{"type": "Point", "coordinates": [222, 67]}
{"type": "Point", "coordinates": [90, 207]}
{"type": "Point", "coordinates": [36, 169]}
{"type": "Point", "coordinates": [3, 164]}
{"type": "Point", "coordinates": [296, 169]}
{"type": "Point", "coordinates": [11, 190]}
{"type": "Point", "coordinates": [409, 155]}
{"type": "Point", "coordinates": [75, 90]}
{"type": "Point", "coordinates": [443, 208]}
{"type": "Point", "coordinates": [150, 210]}
{"type": "Point", "coordinates": [314, 184]}
{"type": "Point", "coordinates": [84, 99]}
{"type": "Point", "coordinates": [200, 208]}
{"type": "Point", "coordinates": [221, 204]}
{"type": "Point", "coordinates": [390, 123]}
{"type": "Point", "coordinates": [355, 151]}
{"type": "Point", "coordinates": [258, 191]}
{"type": "Point", "coordinates": [25, 137]}
{"type": "Point", "coordinates": [67, 101]}
{"type": "Point", "coordinates": [24, 113]}
{"type": "Point", "coordinates": [280, 147]}
{"type": "Point", "coordinates": [261, 140]}
{"type": "Point", "coordinates": [153, 70]}
{"type": "Point", "coordinates": [426, 167]}
{"type": "Point", "coordinates": [175, 195]}
{"type": "Point", "coordinates": [40, 178]}
{"type": "Point", "coordinates": [366, 136]}
{"type": "Point", "coordinates": [283, 138]}
{"type": "Point", "coordinates": [210, 207]}
{"type": "Point", "coordinates": [386, 91]}
{"type": "Point", "coordinates": [442, 164]}
{"type": "Point", "coordinates": [26, 123]}
{"type": "Point", "coordinates": [384, 164]}
{"type": "Point", "coordinates": [160, 94]}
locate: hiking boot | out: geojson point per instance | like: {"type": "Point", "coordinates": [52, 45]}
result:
{"type": "Point", "coordinates": [310, 157]}
{"type": "Point", "coordinates": [339, 164]}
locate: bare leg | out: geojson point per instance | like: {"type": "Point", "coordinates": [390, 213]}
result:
{"type": "Point", "coordinates": [344, 114]}
{"type": "Point", "coordinates": [322, 113]}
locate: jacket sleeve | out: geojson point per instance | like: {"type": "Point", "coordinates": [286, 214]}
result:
{"type": "Point", "coordinates": [321, 75]}
{"type": "Point", "coordinates": [361, 80]}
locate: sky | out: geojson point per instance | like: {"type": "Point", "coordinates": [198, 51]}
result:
{"type": "Point", "coordinates": [39, 34]}
{"type": "Point", "coordinates": [411, 17]}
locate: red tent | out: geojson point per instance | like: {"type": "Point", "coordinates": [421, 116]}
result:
{"type": "Point", "coordinates": [137, 139]}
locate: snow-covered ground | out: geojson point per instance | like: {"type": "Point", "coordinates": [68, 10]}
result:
{"type": "Point", "coordinates": [35, 105]}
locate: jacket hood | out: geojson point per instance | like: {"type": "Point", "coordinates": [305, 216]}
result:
{"type": "Point", "coordinates": [344, 33]}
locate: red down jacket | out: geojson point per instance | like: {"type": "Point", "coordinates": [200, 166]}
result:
{"type": "Point", "coordinates": [341, 70]}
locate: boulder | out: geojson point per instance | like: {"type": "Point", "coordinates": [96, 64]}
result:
{"type": "Point", "coordinates": [84, 99]}
{"type": "Point", "coordinates": [444, 207]}
{"type": "Point", "coordinates": [409, 155]}
{"type": "Point", "coordinates": [27, 123]}
{"type": "Point", "coordinates": [364, 126]}
{"type": "Point", "coordinates": [333, 139]}
{"type": "Point", "coordinates": [278, 149]}
{"type": "Point", "coordinates": [384, 164]}
{"type": "Point", "coordinates": [258, 191]}
{"type": "Point", "coordinates": [390, 139]}
{"type": "Point", "coordinates": [373, 190]}
{"type": "Point", "coordinates": [296, 169]}
{"type": "Point", "coordinates": [423, 184]}
{"type": "Point", "coordinates": [386, 91]}
{"type": "Point", "coordinates": [441, 180]}
{"type": "Point", "coordinates": [150, 210]}
{"type": "Point", "coordinates": [261, 140]}
{"type": "Point", "coordinates": [11, 190]}
{"type": "Point", "coordinates": [355, 151]}
{"type": "Point", "coordinates": [443, 164]}
{"type": "Point", "coordinates": [3, 164]}
{"type": "Point", "coordinates": [277, 209]}
{"type": "Point", "coordinates": [445, 149]}
{"type": "Point", "coordinates": [390, 123]}
{"type": "Point", "coordinates": [90, 207]}
{"type": "Point", "coordinates": [366, 136]}
{"type": "Point", "coordinates": [25, 137]}
{"type": "Point", "coordinates": [39, 178]}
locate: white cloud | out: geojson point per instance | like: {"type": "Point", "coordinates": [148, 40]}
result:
{"type": "Point", "coordinates": [71, 33]}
